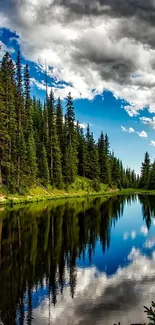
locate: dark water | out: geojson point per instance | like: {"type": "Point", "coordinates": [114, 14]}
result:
{"type": "Point", "coordinates": [77, 262]}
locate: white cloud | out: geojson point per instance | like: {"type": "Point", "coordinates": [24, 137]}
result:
{"type": "Point", "coordinates": [150, 243]}
{"type": "Point", "coordinates": [148, 121]}
{"type": "Point", "coordinates": [129, 130]}
{"type": "Point", "coordinates": [39, 85]}
{"type": "Point", "coordinates": [104, 299]}
{"type": "Point", "coordinates": [118, 63]}
{"type": "Point", "coordinates": [152, 143]}
{"type": "Point", "coordinates": [144, 230]}
{"type": "Point", "coordinates": [83, 125]}
{"type": "Point", "coordinates": [134, 254]}
{"type": "Point", "coordinates": [142, 134]}
{"type": "Point", "coordinates": [132, 110]}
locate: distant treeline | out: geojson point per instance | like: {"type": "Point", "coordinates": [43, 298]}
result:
{"type": "Point", "coordinates": [39, 143]}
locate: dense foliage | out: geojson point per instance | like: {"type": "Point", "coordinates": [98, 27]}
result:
{"type": "Point", "coordinates": [40, 144]}
{"type": "Point", "coordinates": [147, 177]}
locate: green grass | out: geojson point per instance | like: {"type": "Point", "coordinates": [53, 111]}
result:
{"type": "Point", "coordinates": [80, 188]}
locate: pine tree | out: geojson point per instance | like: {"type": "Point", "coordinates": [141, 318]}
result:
{"type": "Point", "coordinates": [70, 169]}
{"type": "Point", "coordinates": [50, 112]}
{"type": "Point", "coordinates": [31, 157]}
{"type": "Point", "coordinates": [9, 163]}
{"type": "Point", "coordinates": [82, 152]}
{"type": "Point", "coordinates": [145, 172]}
{"type": "Point", "coordinates": [107, 145]}
{"type": "Point", "coordinates": [59, 123]}
{"type": "Point", "coordinates": [56, 152]}
{"type": "Point", "coordinates": [20, 123]}
{"type": "Point", "coordinates": [3, 129]}
{"type": "Point", "coordinates": [103, 160]}
{"type": "Point", "coordinates": [54, 148]}
{"type": "Point", "coordinates": [92, 167]}
{"type": "Point", "coordinates": [28, 128]}
{"type": "Point", "coordinates": [28, 111]}
{"type": "Point", "coordinates": [70, 118]}
{"type": "Point", "coordinates": [70, 137]}
{"type": "Point", "coordinates": [38, 142]}
{"type": "Point", "coordinates": [43, 167]}
{"type": "Point", "coordinates": [115, 171]}
{"type": "Point", "coordinates": [151, 185]}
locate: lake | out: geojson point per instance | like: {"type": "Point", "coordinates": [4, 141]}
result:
{"type": "Point", "coordinates": [85, 261]}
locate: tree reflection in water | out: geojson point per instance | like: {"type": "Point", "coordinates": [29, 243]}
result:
{"type": "Point", "coordinates": [38, 241]}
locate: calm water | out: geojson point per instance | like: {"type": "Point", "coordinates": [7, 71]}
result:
{"type": "Point", "coordinates": [77, 262]}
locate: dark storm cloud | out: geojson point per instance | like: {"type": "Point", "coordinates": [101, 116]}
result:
{"type": "Point", "coordinates": [111, 65]}
{"type": "Point", "coordinates": [118, 8]}
{"type": "Point", "coordinates": [138, 16]}
{"type": "Point", "coordinates": [98, 43]}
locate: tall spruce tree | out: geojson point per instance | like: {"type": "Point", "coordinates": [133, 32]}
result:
{"type": "Point", "coordinates": [103, 160]}
{"type": "Point", "coordinates": [7, 71]}
{"type": "Point", "coordinates": [54, 148]}
{"type": "Point", "coordinates": [43, 167]}
{"type": "Point", "coordinates": [28, 102]}
{"type": "Point", "coordinates": [115, 171]}
{"type": "Point", "coordinates": [59, 124]}
{"type": "Point", "coordinates": [70, 155]}
{"type": "Point", "coordinates": [50, 112]}
{"type": "Point", "coordinates": [82, 151]}
{"type": "Point", "coordinates": [3, 129]}
{"type": "Point", "coordinates": [151, 185]}
{"type": "Point", "coordinates": [107, 145]}
{"type": "Point", "coordinates": [92, 167]}
{"type": "Point", "coordinates": [145, 172]}
{"type": "Point", "coordinates": [21, 147]}
{"type": "Point", "coordinates": [28, 129]}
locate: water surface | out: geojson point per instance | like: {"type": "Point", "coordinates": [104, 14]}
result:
{"type": "Point", "coordinates": [78, 261]}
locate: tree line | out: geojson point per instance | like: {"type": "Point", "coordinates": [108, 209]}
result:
{"type": "Point", "coordinates": [39, 143]}
{"type": "Point", "coordinates": [147, 177]}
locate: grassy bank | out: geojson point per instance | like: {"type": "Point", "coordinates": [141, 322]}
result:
{"type": "Point", "coordinates": [82, 187]}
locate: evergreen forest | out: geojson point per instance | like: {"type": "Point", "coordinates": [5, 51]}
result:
{"type": "Point", "coordinates": [43, 143]}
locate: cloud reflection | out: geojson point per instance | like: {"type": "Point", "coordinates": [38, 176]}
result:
{"type": "Point", "coordinates": [100, 299]}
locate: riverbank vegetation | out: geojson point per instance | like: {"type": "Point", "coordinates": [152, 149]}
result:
{"type": "Point", "coordinates": [42, 145]}
{"type": "Point", "coordinates": [45, 152]}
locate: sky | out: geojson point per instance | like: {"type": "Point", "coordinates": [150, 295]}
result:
{"type": "Point", "coordinates": [103, 52]}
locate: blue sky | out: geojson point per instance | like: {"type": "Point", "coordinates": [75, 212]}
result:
{"type": "Point", "coordinates": [109, 71]}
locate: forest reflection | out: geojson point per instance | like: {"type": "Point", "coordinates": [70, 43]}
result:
{"type": "Point", "coordinates": [37, 243]}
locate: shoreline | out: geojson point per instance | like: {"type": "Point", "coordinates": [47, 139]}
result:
{"type": "Point", "coordinates": [16, 199]}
